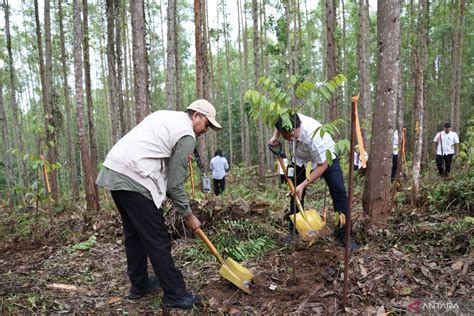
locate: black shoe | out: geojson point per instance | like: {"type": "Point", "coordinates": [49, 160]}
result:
{"type": "Point", "coordinates": [186, 302]}
{"type": "Point", "coordinates": [152, 285]}
{"type": "Point", "coordinates": [341, 238]}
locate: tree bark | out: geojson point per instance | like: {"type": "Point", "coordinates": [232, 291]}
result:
{"type": "Point", "coordinates": [91, 197]}
{"type": "Point", "coordinates": [13, 101]}
{"type": "Point", "coordinates": [260, 141]}
{"type": "Point", "coordinates": [331, 52]}
{"type": "Point", "coordinates": [363, 63]}
{"type": "Point", "coordinates": [112, 73]}
{"type": "Point", "coordinates": [229, 85]}
{"type": "Point", "coordinates": [71, 144]}
{"type": "Point", "coordinates": [6, 156]}
{"type": "Point", "coordinates": [90, 104]}
{"type": "Point", "coordinates": [376, 196]}
{"type": "Point", "coordinates": [118, 8]}
{"type": "Point", "coordinates": [140, 63]}
{"type": "Point", "coordinates": [171, 56]}
{"type": "Point", "coordinates": [458, 27]}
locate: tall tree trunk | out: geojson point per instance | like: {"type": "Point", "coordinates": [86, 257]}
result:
{"type": "Point", "coordinates": [177, 62]}
{"type": "Point", "coordinates": [171, 55]}
{"type": "Point", "coordinates": [14, 105]}
{"type": "Point", "coordinates": [71, 144]}
{"type": "Point", "coordinates": [363, 63]}
{"type": "Point", "coordinates": [90, 104]}
{"type": "Point", "coordinates": [418, 136]}
{"type": "Point", "coordinates": [91, 197]}
{"type": "Point", "coordinates": [127, 99]}
{"type": "Point", "coordinates": [118, 8]}
{"type": "Point", "coordinates": [140, 63]}
{"type": "Point", "coordinates": [455, 88]}
{"type": "Point", "coordinates": [376, 197]}
{"type": "Point", "coordinates": [260, 140]}
{"type": "Point", "coordinates": [202, 76]}
{"type": "Point", "coordinates": [229, 84]}
{"type": "Point", "coordinates": [112, 73]}
{"type": "Point", "coordinates": [248, 156]}
{"type": "Point", "coordinates": [420, 56]}
{"type": "Point", "coordinates": [46, 75]}
{"type": "Point", "coordinates": [331, 51]}
{"type": "Point", "coordinates": [6, 156]}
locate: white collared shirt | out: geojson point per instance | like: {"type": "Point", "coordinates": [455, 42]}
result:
{"type": "Point", "coordinates": [310, 146]}
{"type": "Point", "coordinates": [447, 141]}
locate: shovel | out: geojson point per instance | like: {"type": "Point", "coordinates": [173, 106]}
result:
{"type": "Point", "coordinates": [308, 223]}
{"type": "Point", "coordinates": [231, 270]}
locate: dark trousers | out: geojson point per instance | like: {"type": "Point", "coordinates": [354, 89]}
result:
{"type": "Point", "coordinates": [282, 179]}
{"type": "Point", "coordinates": [219, 186]}
{"type": "Point", "coordinates": [394, 166]}
{"type": "Point", "coordinates": [146, 235]}
{"type": "Point", "coordinates": [335, 182]}
{"type": "Point", "coordinates": [444, 164]}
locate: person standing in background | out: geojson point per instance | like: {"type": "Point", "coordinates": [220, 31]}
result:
{"type": "Point", "coordinates": [445, 146]}
{"type": "Point", "coordinates": [394, 154]}
{"type": "Point", "coordinates": [219, 166]}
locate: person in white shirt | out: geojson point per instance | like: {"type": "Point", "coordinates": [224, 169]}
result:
{"type": "Point", "coordinates": [314, 148]}
{"type": "Point", "coordinates": [394, 155]}
{"type": "Point", "coordinates": [219, 166]}
{"type": "Point", "coordinates": [445, 146]}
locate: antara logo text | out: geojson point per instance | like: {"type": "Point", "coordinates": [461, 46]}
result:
{"type": "Point", "coordinates": [418, 306]}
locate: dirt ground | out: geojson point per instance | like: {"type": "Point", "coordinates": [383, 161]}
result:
{"type": "Point", "coordinates": [395, 268]}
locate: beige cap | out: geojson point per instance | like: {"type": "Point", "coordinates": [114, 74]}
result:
{"type": "Point", "coordinates": [205, 107]}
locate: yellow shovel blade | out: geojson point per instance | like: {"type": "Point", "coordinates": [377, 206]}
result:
{"type": "Point", "coordinates": [237, 274]}
{"type": "Point", "coordinates": [308, 224]}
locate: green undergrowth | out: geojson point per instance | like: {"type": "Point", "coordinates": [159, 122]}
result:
{"type": "Point", "coordinates": [238, 239]}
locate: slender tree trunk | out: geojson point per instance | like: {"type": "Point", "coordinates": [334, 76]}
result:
{"type": "Point", "coordinates": [229, 84]}
{"type": "Point", "coordinates": [420, 56]}
{"type": "Point", "coordinates": [127, 99]}
{"type": "Point", "coordinates": [248, 157]}
{"type": "Point", "coordinates": [455, 88]}
{"type": "Point", "coordinates": [363, 62]}
{"type": "Point", "coordinates": [178, 88]}
{"type": "Point", "coordinates": [260, 141]}
{"type": "Point", "coordinates": [90, 104]}
{"type": "Point", "coordinates": [376, 196]}
{"type": "Point", "coordinates": [71, 144]}
{"type": "Point", "coordinates": [118, 8]}
{"type": "Point", "coordinates": [241, 84]}
{"type": "Point", "coordinates": [418, 136]}
{"type": "Point", "coordinates": [13, 101]}
{"type": "Point", "coordinates": [6, 156]}
{"type": "Point", "coordinates": [112, 74]}
{"type": "Point", "coordinates": [91, 197]}
{"type": "Point", "coordinates": [140, 63]}
{"type": "Point", "coordinates": [331, 51]}
{"type": "Point", "coordinates": [171, 56]}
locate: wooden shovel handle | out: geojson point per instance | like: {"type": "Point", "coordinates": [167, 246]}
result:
{"type": "Point", "coordinates": [209, 245]}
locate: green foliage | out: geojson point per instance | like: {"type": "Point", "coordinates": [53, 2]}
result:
{"type": "Point", "coordinates": [466, 148]}
{"type": "Point", "coordinates": [457, 195]}
{"type": "Point", "coordinates": [85, 245]}
{"type": "Point", "coordinates": [239, 239]}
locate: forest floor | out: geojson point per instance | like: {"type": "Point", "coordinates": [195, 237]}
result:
{"type": "Point", "coordinates": [423, 256]}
